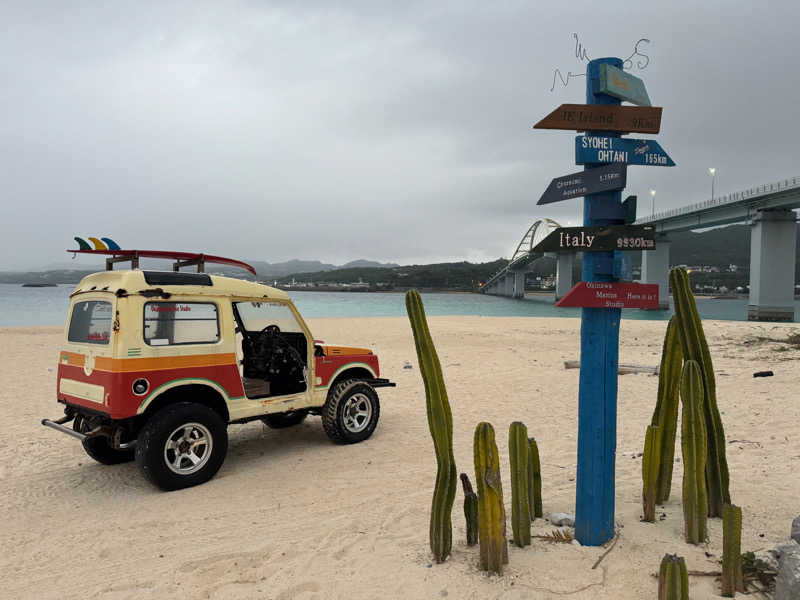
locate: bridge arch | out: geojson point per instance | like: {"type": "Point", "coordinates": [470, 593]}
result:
{"type": "Point", "coordinates": [535, 234]}
{"type": "Point", "coordinates": [523, 256]}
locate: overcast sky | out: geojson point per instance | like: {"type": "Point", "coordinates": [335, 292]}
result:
{"type": "Point", "coordinates": [396, 131]}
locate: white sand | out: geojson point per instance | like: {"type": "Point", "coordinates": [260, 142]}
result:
{"type": "Point", "coordinates": [291, 515]}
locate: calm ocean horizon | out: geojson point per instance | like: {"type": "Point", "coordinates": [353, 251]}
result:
{"type": "Point", "coordinates": [21, 306]}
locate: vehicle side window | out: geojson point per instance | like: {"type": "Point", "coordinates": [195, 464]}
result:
{"type": "Point", "coordinates": [256, 316]}
{"type": "Point", "coordinates": [90, 322]}
{"type": "Point", "coordinates": [176, 323]}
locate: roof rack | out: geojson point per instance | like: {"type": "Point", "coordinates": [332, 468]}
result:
{"type": "Point", "coordinates": [182, 259]}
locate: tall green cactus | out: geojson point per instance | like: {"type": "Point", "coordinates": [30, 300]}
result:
{"type": "Point", "coordinates": [470, 510]}
{"type": "Point", "coordinates": [693, 443]}
{"type": "Point", "coordinates": [665, 414]}
{"type": "Point", "coordinates": [491, 512]}
{"type": "Point", "coordinates": [520, 492]}
{"type": "Point", "coordinates": [695, 348]}
{"type": "Point", "coordinates": [534, 479]}
{"type": "Point", "coordinates": [673, 579]}
{"type": "Point", "coordinates": [440, 422]}
{"type": "Point", "coordinates": [732, 581]}
{"type": "Point", "coordinates": [651, 463]}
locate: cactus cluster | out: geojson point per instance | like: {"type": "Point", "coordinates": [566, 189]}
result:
{"type": "Point", "coordinates": [534, 479]}
{"type": "Point", "coordinates": [693, 444]}
{"type": "Point", "coordinates": [732, 581]}
{"type": "Point", "coordinates": [673, 579]}
{"type": "Point", "coordinates": [470, 510]}
{"type": "Point", "coordinates": [440, 422]}
{"type": "Point", "coordinates": [651, 463]}
{"type": "Point", "coordinates": [685, 341]}
{"type": "Point", "coordinates": [518, 453]}
{"type": "Point", "coordinates": [695, 348]}
{"type": "Point", "coordinates": [484, 512]}
{"type": "Point", "coordinates": [491, 512]}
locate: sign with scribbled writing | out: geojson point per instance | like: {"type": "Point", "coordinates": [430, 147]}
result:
{"type": "Point", "coordinates": [603, 117]}
{"type": "Point", "coordinates": [619, 84]}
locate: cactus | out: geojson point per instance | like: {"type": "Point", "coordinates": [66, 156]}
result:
{"type": "Point", "coordinates": [732, 581]}
{"type": "Point", "coordinates": [440, 422]}
{"type": "Point", "coordinates": [695, 348]}
{"type": "Point", "coordinates": [520, 489]}
{"type": "Point", "coordinates": [693, 443]}
{"type": "Point", "coordinates": [534, 480]}
{"type": "Point", "coordinates": [651, 462]}
{"type": "Point", "coordinates": [470, 510]}
{"type": "Point", "coordinates": [665, 414]}
{"type": "Point", "coordinates": [491, 512]}
{"type": "Point", "coordinates": [673, 579]}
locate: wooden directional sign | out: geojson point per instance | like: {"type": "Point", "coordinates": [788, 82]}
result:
{"type": "Point", "coordinates": [619, 84]}
{"type": "Point", "coordinates": [601, 149]}
{"type": "Point", "coordinates": [604, 294]}
{"type": "Point", "coordinates": [603, 117]}
{"type": "Point", "coordinates": [592, 181]}
{"type": "Point", "coordinates": [599, 239]}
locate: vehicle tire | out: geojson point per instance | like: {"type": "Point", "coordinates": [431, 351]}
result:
{"type": "Point", "coordinates": [182, 445]}
{"type": "Point", "coordinates": [99, 449]}
{"type": "Point", "coordinates": [284, 420]}
{"type": "Point", "coordinates": [350, 412]}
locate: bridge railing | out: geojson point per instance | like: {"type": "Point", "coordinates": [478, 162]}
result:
{"type": "Point", "coordinates": [761, 190]}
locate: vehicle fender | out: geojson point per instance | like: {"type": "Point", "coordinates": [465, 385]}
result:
{"type": "Point", "coordinates": [349, 366]}
{"type": "Point", "coordinates": [178, 383]}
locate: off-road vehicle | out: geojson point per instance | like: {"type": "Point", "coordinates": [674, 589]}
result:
{"type": "Point", "coordinates": [155, 365]}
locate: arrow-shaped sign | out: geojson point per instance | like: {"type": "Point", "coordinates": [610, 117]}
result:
{"type": "Point", "coordinates": [603, 117]}
{"type": "Point", "coordinates": [601, 149]}
{"type": "Point", "coordinates": [619, 84]}
{"type": "Point", "coordinates": [602, 294]}
{"type": "Point", "coordinates": [599, 239]}
{"type": "Point", "coordinates": [592, 181]}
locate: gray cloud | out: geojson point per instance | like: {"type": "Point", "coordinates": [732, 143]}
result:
{"type": "Point", "coordinates": [358, 130]}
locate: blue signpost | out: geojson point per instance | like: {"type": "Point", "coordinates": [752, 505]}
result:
{"type": "Point", "coordinates": [597, 395]}
{"type": "Point", "coordinates": [602, 206]}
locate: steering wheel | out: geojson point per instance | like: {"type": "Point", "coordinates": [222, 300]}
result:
{"type": "Point", "coordinates": [271, 330]}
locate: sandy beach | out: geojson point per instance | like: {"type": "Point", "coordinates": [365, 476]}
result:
{"type": "Point", "coordinates": [291, 515]}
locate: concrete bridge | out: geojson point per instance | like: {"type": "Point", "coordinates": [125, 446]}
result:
{"type": "Point", "coordinates": [510, 280]}
{"type": "Point", "coordinates": [768, 209]}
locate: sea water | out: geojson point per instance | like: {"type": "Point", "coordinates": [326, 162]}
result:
{"type": "Point", "coordinates": [21, 306]}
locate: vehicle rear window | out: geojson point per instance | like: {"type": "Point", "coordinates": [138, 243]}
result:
{"type": "Point", "coordinates": [175, 323]}
{"type": "Point", "coordinates": [90, 322]}
{"type": "Point", "coordinates": [171, 278]}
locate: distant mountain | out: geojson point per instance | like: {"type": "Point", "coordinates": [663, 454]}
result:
{"type": "Point", "coordinates": [271, 271]}
{"type": "Point", "coordinates": [360, 264]}
{"type": "Point", "coordinates": [73, 271]}
{"type": "Point", "coordinates": [457, 276]}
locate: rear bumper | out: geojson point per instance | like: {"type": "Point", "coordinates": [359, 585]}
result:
{"type": "Point", "coordinates": [98, 431]}
{"type": "Point", "coordinates": [57, 425]}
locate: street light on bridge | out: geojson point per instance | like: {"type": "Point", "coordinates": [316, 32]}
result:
{"type": "Point", "coordinates": [713, 172]}
{"type": "Point", "coordinates": [653, 196]}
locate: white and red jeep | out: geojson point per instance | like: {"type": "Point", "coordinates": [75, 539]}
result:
{"type": "Point", "coordinates": [155, 365]}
